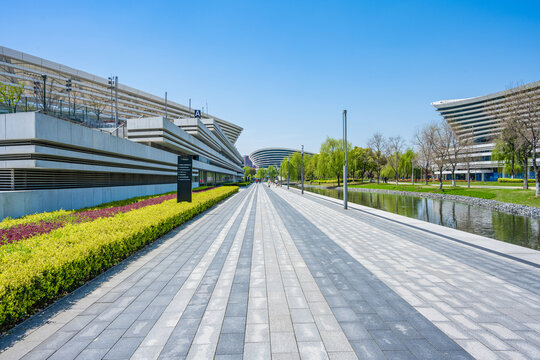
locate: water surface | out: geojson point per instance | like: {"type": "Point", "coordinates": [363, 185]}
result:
{"type": "Point", "coordinates": [515, 229]}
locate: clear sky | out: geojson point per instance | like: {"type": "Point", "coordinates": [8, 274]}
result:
{"type": "Point", "coordinates": [285, 70]}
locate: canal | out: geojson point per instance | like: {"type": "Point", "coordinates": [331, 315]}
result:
{"type": "Point", "coordinates": [515, 229]}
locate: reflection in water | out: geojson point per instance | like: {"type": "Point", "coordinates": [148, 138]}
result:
{"type": "Point", "coordinates": [519, 230]}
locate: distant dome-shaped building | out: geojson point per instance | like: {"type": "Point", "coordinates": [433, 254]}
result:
{"type": "Point", "coordinates": [263, 158]}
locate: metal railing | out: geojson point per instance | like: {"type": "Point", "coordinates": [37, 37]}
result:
{"type": "Point", "coordinates": [80, 114]}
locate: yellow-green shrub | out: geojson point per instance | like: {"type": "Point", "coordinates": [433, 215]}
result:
{"type": "Point", "coordinates": [32, 218]}
{"type": "Point", "coordinates": [35, 271]}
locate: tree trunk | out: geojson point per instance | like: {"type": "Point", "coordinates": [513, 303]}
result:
{"type": "Point", "coordinates": [535, 167]}
{"type": "Point", "coordinates": [338, 180]}
{"type": "Point", "coordinates": [397, 178]}
{"type": "Point", "coordinates": [526, 173]}
{"type": "Point", "coordinates": [378, 176]}
{"type": "Point", "coordinates": [453, 176]}
{"type": "Point", "coordinates": [513, 160]}
{"type": "Point", "coordinates": [440, 179]}
{"type": "Point", "coordinates": [468, 176]}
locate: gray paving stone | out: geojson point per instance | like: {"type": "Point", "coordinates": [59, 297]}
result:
{"type": "Point", "coordinates": [230, 343]}
{"type": "Point", "coordinates": [123, 349]}
{"type": "Point", "coordinates": [373, 300]}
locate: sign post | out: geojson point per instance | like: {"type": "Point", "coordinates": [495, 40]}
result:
{"type": "Point", "coordinates": [184, 178]}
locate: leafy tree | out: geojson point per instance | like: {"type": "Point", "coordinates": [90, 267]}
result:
{"type": "Point", "coordinates": [311, 166]}
{"type": "Point", "coordinates": [295, 164]}
{"type": "Point", "coordinates": [394, 149]}
{"type": "Point", "coordinates": [406, 163]}
{"type": "Point", "coordinates": [271, 172]}
{"type": "Point", "coordinates": [248, 172]}
{"type": "Point", "coordinates": [361, 161]}
{"type": "Point", "coordinates": [331, 154]}
{"type": "Point", "coordinates": [261, 173]}
{"type": "Point", "coordinates": [11, 94]}
{"type": "Point", "coordinates": [377, 145]}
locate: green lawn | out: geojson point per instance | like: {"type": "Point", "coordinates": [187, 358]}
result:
{"type": "Point", "coordinates": [515, 196]}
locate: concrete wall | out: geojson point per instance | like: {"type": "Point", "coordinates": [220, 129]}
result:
{"type": "Point", "coordinates": [19, 203]}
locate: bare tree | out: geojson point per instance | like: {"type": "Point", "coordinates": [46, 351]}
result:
{"type": "Point", "coordinates": [97, 105]}
{"type": "Point", "coordinates": [441, 149]}
{"type": "Point", "coordinates": [377, 145]}
{"type": "Point", "coordinates": [424, 141]}
{"type": "Point", "coordinates": [522, 114]}
{"type": "Point", "coordinates": [394, 150]}
{"type": "Point", "coordinates": [467, 142]}
{"type": "Point", "coordinates": [455, 150]}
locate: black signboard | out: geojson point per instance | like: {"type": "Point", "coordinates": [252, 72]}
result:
{"type": "Point", "coordinates": [184, 178]}
{"type": "Point", "coordinates": [198, 113]}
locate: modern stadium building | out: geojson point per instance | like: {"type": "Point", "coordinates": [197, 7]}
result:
{"type": "Point", "coordinates": [266, 157]}
{"type": "Point", "coordinates": [62, 150]}
{"type": "Point", "coordinates": [479, 120]}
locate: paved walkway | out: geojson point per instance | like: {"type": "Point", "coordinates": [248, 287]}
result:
{"type": "Point", "coordinates": [270, 273]}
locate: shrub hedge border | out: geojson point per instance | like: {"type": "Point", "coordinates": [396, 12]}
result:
{"type": "Point", "coordinates": [41, 269]}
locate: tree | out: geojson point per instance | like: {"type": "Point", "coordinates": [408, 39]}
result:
{"type": "Point", "coordinates": [455, 150]}
{"type": "Point", "coordinates": [377, 145]}
{"type": "Point", "coordinates": [441, 149]}
{"type": "Point", "coordinates": [522, 115]}
{"type": "Point", "coordinates": [406, 167]}
{"type": "Point", "coordinates": [248, 172]}
{"type": "Point", "coordinates": [309, 167]}
{"type": "Point", "coordinates": [261, 173]}
{"type": "Point", "coordinates": [331, 154]}
{"type": "Point", "coordinates": [361, 161]}
{"type": "Point", "coordinates": [271, 172]}
{"type": "Point", "coordinates": [394, 149]}
{"type": "Point", "coordinates": [424, 141]}
{"type": "Point", "coordinates": [97, 106]}
{"type": "Point", "coordinates": [467, 155]}
{"type": "Point", "coordinates": [11, 94]}
{"type": "Point", "coordinates": [295, 164]}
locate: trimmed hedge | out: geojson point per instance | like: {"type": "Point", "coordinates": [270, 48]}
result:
{"type": "Point", "coordinates": [241, 184]}
{"type": "Point", "coordinates": [40, 269]}
{"type": "Point", "coordinates": [515, 181]}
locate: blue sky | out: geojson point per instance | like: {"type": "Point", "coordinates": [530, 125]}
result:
{"type": "Point", "coordinates": [285, 70]}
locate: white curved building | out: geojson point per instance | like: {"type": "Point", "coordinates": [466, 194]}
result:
{"type": "Point", "coordinates": [479, 118]}
{"type": "Point", "coordinates": [263, 158]}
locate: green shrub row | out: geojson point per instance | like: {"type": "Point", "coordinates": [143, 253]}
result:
{"type": "Point", "coordinates": [241, 184]}
{"type": "Point", "coordinates": [515, 181]}
{"type": "Point", "coordinates": [40, 269]}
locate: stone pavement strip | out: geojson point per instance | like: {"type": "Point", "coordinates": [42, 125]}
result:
{"type": "Point", "coordinates": [272, 274]}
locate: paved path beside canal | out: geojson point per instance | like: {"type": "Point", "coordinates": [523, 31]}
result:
{"type": "Point", "coordinates": [273, 274]}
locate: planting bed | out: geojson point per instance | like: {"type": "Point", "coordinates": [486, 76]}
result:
{"type": "Point", "coordinates": [43, 256]}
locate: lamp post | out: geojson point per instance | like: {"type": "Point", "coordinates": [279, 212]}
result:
{"type": "Point", "coordinates": [302, 170]}
{"type": "Point", "coordinates": [345, 189]}
{"type": "Point", "coordinates": [68, 89]}
{"type": "Point", "coordinates": [116, 104]}
{"type": "Point", "coordinates": [111, 84]}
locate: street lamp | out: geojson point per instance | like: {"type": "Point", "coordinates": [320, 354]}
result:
{"type": "Point", "coordinates": [345, 189]}
{"type": "Point", "coordinates": [302, 167]}
{"type": "Point", "coordinates": [68, 90]}
{"type": "Point", "coordinates": [111, 85]}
